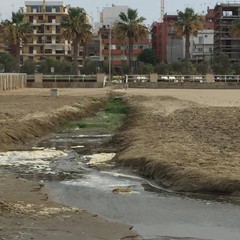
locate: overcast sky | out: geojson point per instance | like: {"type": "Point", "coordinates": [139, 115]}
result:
{"type": "Point", "coordinates": [150, 9]}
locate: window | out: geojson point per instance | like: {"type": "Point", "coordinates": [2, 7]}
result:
{"type": "Point", "coordinates": [59, 52]}
{"type": "Point", "coordinates": [48, 51]}
{"type": "Point", "coordinates": [200, 40]}
{"type": "Point", "coordinates": [39, 40]}
{"type": "Point", "coordinates": [50, 18]}
{"type": "Point", "coordinates": [36, 9]}
{"type": "Point", "coordinates": [48, 39]}
{"type": "Point", "coordinates": [58, 39]}
{"type": "Point", "coordinates": [52, 9]}
{"type": "Point", "coordinates": [31, 19]}
{"type": "Point", "coordinates": [30, 49]}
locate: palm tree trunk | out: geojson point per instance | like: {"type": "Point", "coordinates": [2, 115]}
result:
{"type": "Point", "coordinates": [187, 45]}
{"type": "Point", "coordinates": [75, 57]}
{"type": "Point", "coordinates": [18, 59]}
{"type": "Point", "coordinates": [130, 54]}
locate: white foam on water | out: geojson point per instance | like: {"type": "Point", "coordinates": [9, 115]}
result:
{"type": "Point", "coordinates": [100, 158]}
{"type": "Point", "coordinates": [37, 159]}
{"type": "Point", "coordinates": [78, 146]}
{"type": "Point", "coordinates": [105, 182]}
{"type": "Point", "coordinates": [94, 136]}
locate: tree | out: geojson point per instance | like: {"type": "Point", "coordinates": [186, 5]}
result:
{"type": "Point", "coordinates": [28, 67]}
{"type": "Point", "coordinates": [130, 27]}
{"type": "Point", "coordinates": [8, 62]}
{"type": "Point", "coordinates": [60, 67]}
{"type": "Point", "coordinates": [89, 67]}
{"type": "Point", "coordinates": [221, 64]}
{"type": "Point", "coordinates": [203, 67]}
{"type": "Point", "coordinates": [16, 32]}
{"type": "Point", "coordinates": [236, 68]}
{"type": "Point", "coordinates": [188, 23]}
{"type": "Point", "coordinates": [76, 28]}
{"type": "Point", "coordinates": [148, 56]}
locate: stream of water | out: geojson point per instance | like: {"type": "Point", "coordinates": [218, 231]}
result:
{"type": "Point", "coordinates": [76, 180]}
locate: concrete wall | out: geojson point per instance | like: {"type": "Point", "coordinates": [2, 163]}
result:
{"type": "Point", "coordinates": [10, 81]}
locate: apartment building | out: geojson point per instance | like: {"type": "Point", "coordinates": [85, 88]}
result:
{"type": "Point", "coordinates": [201, 46]}
{"type": "Point", "coordinates": [109, 15]}
{"type": "Point", "coordinates": [45, 17]}
{"type": "Point", "coordinates": [224, 42]}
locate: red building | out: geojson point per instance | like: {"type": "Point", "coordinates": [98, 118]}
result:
{"type": "Point", "coordinates": [166, 44]}
{"type": "Point", "coordinates": [119, 49]}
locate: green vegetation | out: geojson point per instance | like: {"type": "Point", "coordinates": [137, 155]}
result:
{"type": "Point", "coordinates": [117, 106]}
{"type": "Point", "coordinates": [7, 62]}
{"type": "Point", "coordinates": [148, 56]}
{"type": "Point", "coordinates": [109, 118]}
{"type": "Point", "coordinates": [60, 67]}
{"type": "Point", "coordinates": [28, 67]}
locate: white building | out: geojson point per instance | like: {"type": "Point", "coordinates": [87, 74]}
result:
{"type": "Point", "coordinates": [109, 15]}
{"type": "Point", "coordinates": [201, 47]}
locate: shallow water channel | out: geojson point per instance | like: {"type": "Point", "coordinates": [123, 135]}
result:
{"type": "Point", "coordinates": [76, 180]}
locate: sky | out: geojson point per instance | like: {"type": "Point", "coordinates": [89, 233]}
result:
{"type": "Point", "coordinates": [150, 9]}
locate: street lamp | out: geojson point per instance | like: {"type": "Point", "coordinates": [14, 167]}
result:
{"type": "Point", "coordinates": [172, 37]}
{"type": "Point", "coordinates": [110, 54]}
{"type": "Point", "coordinates": [172, 34]}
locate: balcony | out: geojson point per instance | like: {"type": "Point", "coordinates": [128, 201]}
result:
{"type": "Point", "coordinates": [135, 51]}
{"type": "Point", "coordinates": [106, 41]}
{"type": "Point", "coordinates": [113, 52]}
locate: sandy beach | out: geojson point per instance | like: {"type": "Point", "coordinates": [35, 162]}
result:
{"type": "Point", "coordinates": [186, 140]}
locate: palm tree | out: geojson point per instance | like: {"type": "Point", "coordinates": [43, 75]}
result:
{"type": "Point", "coordinates": [188, 23]}
{"type": "Point", "coordinates": [235, 29]}
{"type": "Point", "coordinates": [130, 26]}
{"type": "Point", "coordinates": [16, 32]}
{"type": "Point", "coordinates": [77, 29]}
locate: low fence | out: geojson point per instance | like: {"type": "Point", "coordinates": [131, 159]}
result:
{"type": "Point", "coordinates": [182, 78]}
{"type": "Point", "coordinates": [208, 81]}
{"type": "Point", "coordinates": [185, 85]}
{"type": "Point", "coordinates": [130, 78]}
{"type": "Point", "coordinates": [10, 81]}
{"type": "Point", "coordinates": [65, 81]}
